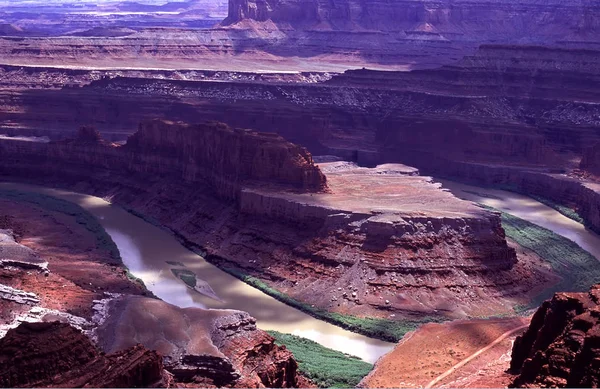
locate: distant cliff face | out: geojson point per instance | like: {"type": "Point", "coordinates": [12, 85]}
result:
{"type": "Point", "coordinates": [590, 162]}
{"type": "Point", "coordinates": [221, 153]}
{"type": "Point", "coordinates": [213, 154]}
{"type": "Point", "coordinates": [561, 348]}
{"type": "Point", "coordinates": [429, 17]}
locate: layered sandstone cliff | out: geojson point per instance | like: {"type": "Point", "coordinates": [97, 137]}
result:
{"type": "Point", "coordinates": [314, 35]}
{"type": "Point", "coordinates": [561, 348]}
{"type": "Point", "coordinates": [378, 242]}
{"type": "Point", "coordinates": [224, 156]}
{"type": "Point", "coordinates": [213, 154]}
{"type": "Point", "coordinates": [508, 115]}
{"type": "Point", "coordinates": [531, 19]}
{"type": "Point", "coordinates": [56, 354]}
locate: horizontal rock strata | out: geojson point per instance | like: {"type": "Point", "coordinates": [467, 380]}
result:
{"type": "Point", "coordinates": [324, 34]}
{"type": "Point", "coordinates": [399, 251]}
{"type": "Point", "coordinates": [56, 354]}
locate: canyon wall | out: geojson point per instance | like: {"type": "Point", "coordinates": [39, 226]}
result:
{"type": "Point", "coordinates": [457, 20]}
{"type": "Point", "coordinates": [214, 154]}
{"type": "Point", "coordinates": [506, 104]}
{"type": "Point", "coordinates": [561, 346]}
{"type": "Point", "coordinates": [284, 35]}
{"type": "Point", "coordinates": [515, 112]}
{"type": "Point", "coordinates": [316, 35]}
{"type": "Point", "coordinates": [365, 251]}
{"type": "Point", "coordinates": [78, 282]}
{"type": "Point", "coordinates": [224, 156]}
{"type": "Point", "coordinates": [590, 162]}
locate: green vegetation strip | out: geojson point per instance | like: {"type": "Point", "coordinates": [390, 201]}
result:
{"type": "Point", "coordinates": [325, 367]}
{"type": "Point", "coordinates": [578, 269]}
{"type": "Point", "coordinates": [385, 329]}
{"type": "Point", "coordinates": [103, 240]}
{"type": "Point", "coordinates": [564, 210]}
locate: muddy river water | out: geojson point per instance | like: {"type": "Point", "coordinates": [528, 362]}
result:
{"type": "Point", "coordinates": [146, 249]}
{"type": "Point", "coordinates": [150, 252]}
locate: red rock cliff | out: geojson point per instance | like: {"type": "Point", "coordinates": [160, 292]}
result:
{"type": "Point", "coordinates": [459, 19]}
{"type": "Point", "coordinates": [221, 154]}
{"type": "Point", "coordinates": [561, 348]}
{"type": "Point", "coordinates": [213, 154]}
{"type": "Point", "coordinates": [394, 247]}
{"type": "Point", "coordinates": [56, 354]}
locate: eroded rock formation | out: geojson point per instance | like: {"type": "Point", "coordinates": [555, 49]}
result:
{"type": "Point", "coordinates": [201, 347]}
{"type": "Point", "coordinates": [56, 354]}
{"type": "Point", "coordinates": [224, 156]}
{"type": "Point", "coordinates": [326, 34]}
{"type": "Point", "coordinates": [377, 241]}
{"type": "Point", "coordinates": [210, 348]}
{"type": "Point", "coordinates": [561, 348]}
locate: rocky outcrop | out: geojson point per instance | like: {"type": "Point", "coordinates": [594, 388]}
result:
{"type": "Point", "coordinates": [88, 134]}
{"type": "Point", "coordinates": [213, 154]}
{"type": "Point", "coordinates": [561, 348]}
{"type": "Point", "coordinates": [210, 348]}
{"type": "Point", "coordinates": [56, 354]}
{"type": "Point", "coordinates": [224, 156]}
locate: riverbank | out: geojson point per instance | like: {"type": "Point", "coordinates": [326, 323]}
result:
{"type": "Point", "coordinates": [77, 273]}
{"type": "Point", "coordinates": [52, 204]}
{"type": "Point", "coordinates": [150, 252]}
{"type": "Point", "coordinates": [325, 367]}
{"type": "Point", "coordinates": [577, 268]}
{"type": "Point", "coordinates": [332, 368]}
{"type": "Point", "coordinates": [377, 328]}
{"type": "Point", "coordinates": [559, 239]}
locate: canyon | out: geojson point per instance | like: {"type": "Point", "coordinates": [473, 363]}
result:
{"type": "Point", "coordinates": [45, 279]}
{"type": "Point", "coordinates": [390, 98]}
{"type": "Point", "coordinates": [296, 34]}
{"type": "Point", "coordinates": [259, 205]}
{"type": "Point", "coordinates": [521, 117]}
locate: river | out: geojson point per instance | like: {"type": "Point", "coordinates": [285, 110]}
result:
{"type": "Point", "coordinates": [145, 250]}
{"type": "Point", "coordinates": [529, 209]}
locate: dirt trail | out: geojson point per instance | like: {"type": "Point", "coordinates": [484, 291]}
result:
{"type": "Point", "coordinates": [473, 356]}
